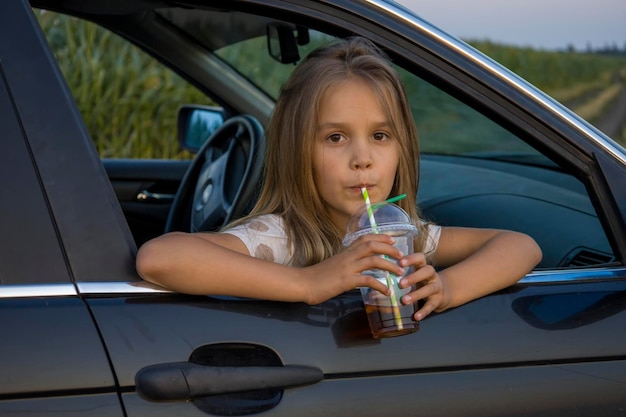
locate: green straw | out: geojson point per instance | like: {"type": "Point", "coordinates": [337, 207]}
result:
{"type": "Point", "coordinates": [393, 199]}
{"type": "Point", "coordinates": [390, 283]}
{"type": "Point", "coordinates": [389, 200]}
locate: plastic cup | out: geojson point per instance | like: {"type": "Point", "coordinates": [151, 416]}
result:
{"type": "Point", "coordinates": [387, 316]}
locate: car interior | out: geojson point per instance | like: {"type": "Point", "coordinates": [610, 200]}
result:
{"type": "Point", "coordinates": [475, 171]}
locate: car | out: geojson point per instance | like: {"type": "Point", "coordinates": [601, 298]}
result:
{"type": "Point", "coordinates": [84, 335]}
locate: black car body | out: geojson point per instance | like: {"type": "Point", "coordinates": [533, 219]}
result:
{"type": "Point", "coordinates": [83, 335]}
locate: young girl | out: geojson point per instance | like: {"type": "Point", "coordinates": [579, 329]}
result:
{"type": "Point", "coordinates": [342, 122]}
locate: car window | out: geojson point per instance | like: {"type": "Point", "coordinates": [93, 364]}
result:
{"type": "Point", "coordinates": [473, 171]}
{"type": "Point", "coordinates": [128, 99]}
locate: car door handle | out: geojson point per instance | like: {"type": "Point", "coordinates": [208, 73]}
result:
{"type": "Point", "coordinates": [183, 381]}
{"type": "Point", "coordinates": [146, 195]}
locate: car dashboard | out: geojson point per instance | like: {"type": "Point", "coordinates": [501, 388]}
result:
{"type": "Point", "coordinates": [551, 206]}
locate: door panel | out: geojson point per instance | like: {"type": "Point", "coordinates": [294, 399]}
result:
{"type": "Point", "coordinates": [500, 349]}
{"type": "Point", "coordinates": [542, 390]}
{"type": "Point", "coordinates": [96, 405]}
{"type": "Point", "coordinates": [52, 359]}
{"type": "Point", "coordinates": [145, 189]}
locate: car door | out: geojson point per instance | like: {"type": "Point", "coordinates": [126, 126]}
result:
{"type": "Point", "coordinates": [546, 346]}
{"type": "Point", "coordinates": [52, 361]}
{"type": "Point", "coordinates": [550, 345]}
{"type": "Point", "coordinates": [526, 349]}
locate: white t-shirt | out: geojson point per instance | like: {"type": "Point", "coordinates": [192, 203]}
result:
{"type": "Point", "coordinates": [265, 238]}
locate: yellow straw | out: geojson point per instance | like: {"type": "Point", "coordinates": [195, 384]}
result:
{"type": "Point", "coordinates": [390, 284]}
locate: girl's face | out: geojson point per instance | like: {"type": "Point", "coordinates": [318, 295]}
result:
{"type": "Point", "coordinates": [354, 148]}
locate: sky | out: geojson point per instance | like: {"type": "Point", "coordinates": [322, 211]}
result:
{"type": "Point", "coordinates": [541, 24]}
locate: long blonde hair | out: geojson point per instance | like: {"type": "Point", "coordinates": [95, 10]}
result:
{"type": "Point", "coordinates": [288, 189]}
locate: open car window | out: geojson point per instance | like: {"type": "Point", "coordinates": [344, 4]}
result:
{"type": "Point", "coordinates": [473, 171]}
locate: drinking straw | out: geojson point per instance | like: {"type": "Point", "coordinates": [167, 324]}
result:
{"type": "Point", "coordinates": [370, 214]}
{"type": "Point", "coordinates": [393, 199]}
{"type": "Point", "coordinates": [389, 200]}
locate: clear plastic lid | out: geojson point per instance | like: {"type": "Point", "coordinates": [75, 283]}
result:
{"type": "Point", "coordinates": [390, 219]}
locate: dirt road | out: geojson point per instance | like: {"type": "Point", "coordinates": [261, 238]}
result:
{"type": "Point", "coordinates": [607, 115]}
{"type": "Point", "coordinates": [612, 121]}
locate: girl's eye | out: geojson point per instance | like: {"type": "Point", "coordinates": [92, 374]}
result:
{"type": "Point", "coordinates": [335, 138]}
{"type": "Point", "coordinates": [380, 136]}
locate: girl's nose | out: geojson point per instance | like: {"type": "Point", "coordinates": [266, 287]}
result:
{"type": "Point", "coordinates": [362, 156]}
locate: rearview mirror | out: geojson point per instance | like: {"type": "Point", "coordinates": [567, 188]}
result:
{"type": "Point", "coordinates": [282, 44]}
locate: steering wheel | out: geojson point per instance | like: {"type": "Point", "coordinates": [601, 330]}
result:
{"type": "Point", "coordinates": [221, 182]}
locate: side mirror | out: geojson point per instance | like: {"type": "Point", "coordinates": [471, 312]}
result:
{"type": "Point", "coordinates": [196, 124]}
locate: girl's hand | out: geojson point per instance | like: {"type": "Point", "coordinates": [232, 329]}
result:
{"type": "Point", "coordinates": [430, 286]}
{"type": "Point", "coordinates": [344, 271]}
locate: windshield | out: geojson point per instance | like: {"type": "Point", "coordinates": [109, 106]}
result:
{"type": "Point", "coordinates": [251, 59]}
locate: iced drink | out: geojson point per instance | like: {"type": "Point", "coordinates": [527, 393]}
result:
{"type": "Point", "coordinates": [387, 315]}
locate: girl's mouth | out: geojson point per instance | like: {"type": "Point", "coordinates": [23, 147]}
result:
{"type": "Point", "coordinates": [358, 188]}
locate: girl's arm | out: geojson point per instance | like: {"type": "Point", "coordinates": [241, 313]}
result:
{"type": "Point", "coordinates": [475, 262]}
{"type": "Point", "coordinates": [219, 264]}
{"type": "Point", "coordinates": [206, 263]}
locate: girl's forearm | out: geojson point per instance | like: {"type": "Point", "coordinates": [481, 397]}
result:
{"type": "Point", "coordinates": [499, 263]}
{"type": "Point", "coordinates": [192, 265]}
